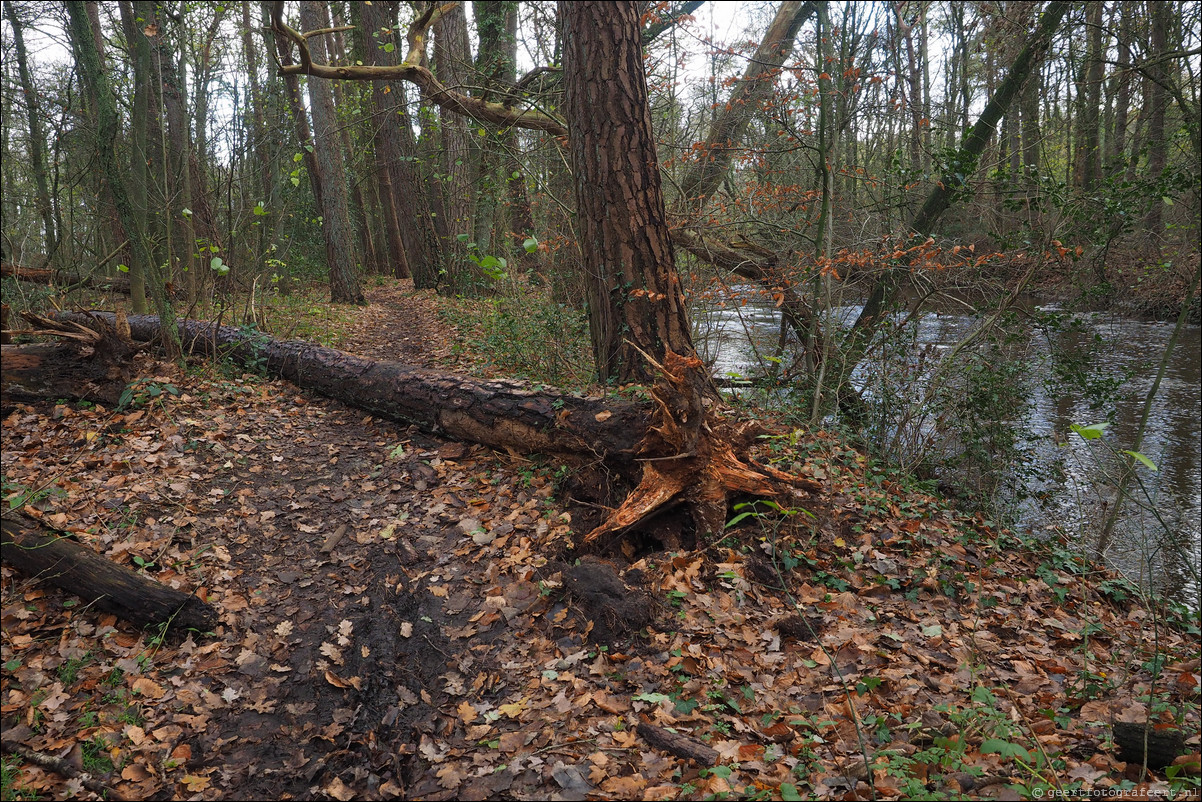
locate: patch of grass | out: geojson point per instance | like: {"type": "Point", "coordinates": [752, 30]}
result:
{"type": "Point", "coordinates": [68, 672]}
{"type": "Point", "coordinates": [307, 314]}
{"type": "Point", "coordinates": [96, 758]}
{"type": "Point", "coordinates": [529, 338]}
{"type": "Point", "coordinates": [10, 773]}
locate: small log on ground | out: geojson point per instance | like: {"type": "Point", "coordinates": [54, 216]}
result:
{"type": "Point", "coordinates": [1139, 742]}
{"type": "Point", "coordinates": [39, 275]}
{"type": "Point", "coordinates": [42, 554]}
{"type": "Point", "coordinates": [92, 364]}
{"type": "Point", "coordinates": [679, 745]}
{"type": "Point", "coordinates": [500, 413]}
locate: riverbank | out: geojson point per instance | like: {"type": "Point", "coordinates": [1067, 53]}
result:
{"type": "Point", "coordinates": [1134, 282]}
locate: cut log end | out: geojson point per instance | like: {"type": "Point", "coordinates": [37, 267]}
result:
{"type": "Point", "coordinates": [47, 556]}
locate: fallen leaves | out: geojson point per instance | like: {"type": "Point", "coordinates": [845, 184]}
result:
{"type": "Point", "coordinates": [787, 656]}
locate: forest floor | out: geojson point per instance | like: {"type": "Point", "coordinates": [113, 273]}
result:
{"type": "Point", "coordinates": [407, 617]}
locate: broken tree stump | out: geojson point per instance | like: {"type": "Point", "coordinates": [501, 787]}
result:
{"type": "Point", "coordinates": [48, 556]}
{"type": "Point", "coordinates": [90, 364]}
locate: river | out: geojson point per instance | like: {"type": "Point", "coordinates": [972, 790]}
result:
{"type": "Point", "coordinates": [1069, 482]}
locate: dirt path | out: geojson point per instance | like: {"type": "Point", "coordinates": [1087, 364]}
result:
{"type": "Point", "coordinates": [403, 617]}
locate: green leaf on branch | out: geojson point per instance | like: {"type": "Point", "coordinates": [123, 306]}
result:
{"type": "Point", "coordinates": [1004, 748]}
{"type": "Point", "coordinates": [1091, 432]}
{"type": "Point", "coordinates": [1135, 455]}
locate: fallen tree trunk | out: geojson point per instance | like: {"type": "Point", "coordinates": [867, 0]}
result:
{"type": "Point", "coordinates": [48, 371]}
{"type": "Point", "coordinates": [500, 413]}
{"type": "Point", "coordinates": [680, 452]}
{"type": "Point", "coordinates": [39, 275]}
{"type": "Point", "coordinates": [42, 554]}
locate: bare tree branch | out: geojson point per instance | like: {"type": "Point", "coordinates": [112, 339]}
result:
{"type": "Point", "coordinates": [412, 70]}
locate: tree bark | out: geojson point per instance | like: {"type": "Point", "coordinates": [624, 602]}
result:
{"type": "Point", "coordinates": [368, 26]}
{"type": "Point", "coordinates": [1088, 154]}
{"type": "Point", "coordinates": [501, 414]}
{"type": "Point", "coordinates": [37, 145]}
{"type": "Point", "coordinates": [361, 214]}
{"type": "Point", "coordinates": [336, 219]}
{"type": "Point", "coordinates": [50, 371]}
{"type": "Point", "coordinates": [66, 280]}
{"type": "Point", "coordinates": [1157, 103]}
{"type": "Point", "coordinates": [459, 156]}
{"type": "Point", "coordinates": [42, 554]}
{"type": "Point", "coordinates": [396, 150]}
{"type": "Point", "coordinates": [91, 363]}
{"type": "Point", "coordinates": [259, 134]}
{"type": "Point", "coordinates": [502, 172]}
{"type": "Point", "coordinates": [96, 83]}
{"type": "Point", "coordinates": [1116, 141]}
{"type": "Point", "coordinates": [137, 181]}
{"type": "Point", "coordinates": [179, 173]}
{"type": "Point", "coordinates": [636, 305]}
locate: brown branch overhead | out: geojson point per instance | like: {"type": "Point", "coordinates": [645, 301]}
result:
{"type": "Point", "coordinates": [412, 70]}
{"type": "Point", "coordinates": [669, 19]}
{"type": "Point", "coordinates": [760, 265]}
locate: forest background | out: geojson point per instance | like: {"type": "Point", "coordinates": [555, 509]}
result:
{"type": "Point", "coordinates": [887, 159]}
{"type": "Point", "coordinates": [823, 162]}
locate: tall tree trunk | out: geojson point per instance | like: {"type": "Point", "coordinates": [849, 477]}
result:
{"type": "Point", "coordinates": [37, 143]}
{"type": "Point", "coordinates": [300, 117]}
{"type": "Point", "coordinates": [636, 304]}
{"type": "Point", "coordinates": [460, 158]}
{"type": "Point", "coordinates": [1157, 101]}
{"type": "Point", "coordinates": [95, 82]}
{"type": "Point", "coordinates": [111, 233]}
{"type": "Point", "coordinates": [496, 66]}
{"type": "Point", "coordinates": [367, 242]}
{"type": "Point", "coordinates": [397, 148]}
{"type": "Point", "coordinates": [1117, 140]}
{"type": "Point", "coordinates": [913, 89]}
{"type": "Point", "coordinates": [268, 215]}
{"type": "Point", "coordinates": [204, 75]}
{"type": "Point", "coordinates": [371, 23]}
{"type": "Point", "coordinates": [1089, 98]}
{"type": "Point", "coordinates": [336, 222]}
{"type": "Point", "coordinates": [179, 148]}
{"type": "Point", "coordinates": [138, 181]}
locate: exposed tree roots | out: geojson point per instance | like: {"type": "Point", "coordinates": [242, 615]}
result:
{"type": "Point", "coordinates": [691, 455]}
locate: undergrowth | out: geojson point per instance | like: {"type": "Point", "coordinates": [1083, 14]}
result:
{"type": "Point", "coordinates": [529, 338]}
